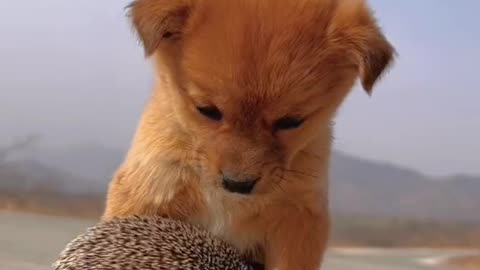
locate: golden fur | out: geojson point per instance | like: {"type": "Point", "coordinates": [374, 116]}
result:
{"type": "Point", "coordinates": [257, 61]}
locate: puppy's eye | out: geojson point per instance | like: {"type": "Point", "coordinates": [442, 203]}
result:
{"type": "Point", "coordinates": [287, 123]}
{"type": "Point", "coordinates": [211, 112]}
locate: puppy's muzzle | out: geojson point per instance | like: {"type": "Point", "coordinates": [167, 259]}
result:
{"type": "Point", "coordinates": [241, 186]}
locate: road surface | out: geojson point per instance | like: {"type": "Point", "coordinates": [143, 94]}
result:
{"type": "Point", "coordinates": [30, 242]}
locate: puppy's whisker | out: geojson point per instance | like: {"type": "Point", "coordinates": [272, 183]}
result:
{"type": "Point", "coordinates": [277, 184]}
{"type": "Point", "coordinates": [314, 155]}
{"type": "Point", "coordinates": [302, 173]}
{"type": "Point", "coordinates": [281, 176]}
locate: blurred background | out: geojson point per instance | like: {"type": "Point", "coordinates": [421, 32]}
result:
{"type": "Point", "coordinates": [406, 168]}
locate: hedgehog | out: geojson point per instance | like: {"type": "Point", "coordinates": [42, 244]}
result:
{"type": "Point", "coordinates": [150, 243]}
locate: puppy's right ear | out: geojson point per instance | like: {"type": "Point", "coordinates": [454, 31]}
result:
{"type": "Point", "coordinates": [156, 21]}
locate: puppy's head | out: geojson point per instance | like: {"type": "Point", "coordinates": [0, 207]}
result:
{"type": "Point", "coordinates": [254, 82]}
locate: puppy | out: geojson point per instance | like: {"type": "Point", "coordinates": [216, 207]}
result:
{"type": "Point", "coordinates": [236, 136]}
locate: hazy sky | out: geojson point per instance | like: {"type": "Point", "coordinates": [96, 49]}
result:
{"type": "Point", "coordinates": [72, 71]}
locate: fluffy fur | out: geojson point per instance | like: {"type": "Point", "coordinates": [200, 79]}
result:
{"type": "Point", "coordinates": [149, 243]}
{"type": "Point", "coordinates": [257, 62]}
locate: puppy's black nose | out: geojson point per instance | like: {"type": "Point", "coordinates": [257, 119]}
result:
{"type": "Point", "coordinates": [241, 186]}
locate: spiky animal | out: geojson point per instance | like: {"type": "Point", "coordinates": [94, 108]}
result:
{"type": "Point", "coordinates": [149, 243]}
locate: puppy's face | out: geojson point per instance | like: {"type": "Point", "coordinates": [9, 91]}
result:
{"type": "Point", "coordinates": [254, 82]}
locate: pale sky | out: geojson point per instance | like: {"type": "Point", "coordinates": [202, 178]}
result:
{"type": "Point", "coordinates": [73, 72]}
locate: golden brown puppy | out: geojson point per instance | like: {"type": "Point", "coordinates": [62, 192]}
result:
{"type": "Point", "coordinates": [236, 136]}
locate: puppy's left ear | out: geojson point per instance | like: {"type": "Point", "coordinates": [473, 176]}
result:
{"type": "Point", "coordinates": [158, 21]}
{"type": "Point", "coordinates": [374, 54]}
{"type": "Point", "coordinates": [371, 53]}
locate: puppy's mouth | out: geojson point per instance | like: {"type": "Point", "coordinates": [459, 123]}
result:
{"type": "Point", "coordinates": [239, 187]}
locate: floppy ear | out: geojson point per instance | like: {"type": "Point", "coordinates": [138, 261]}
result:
{"type": "Point", "coordinates": [374, 55]}
{"type": "Point", "coordinates": [156, 21]}
{"type": "Point", "coordinates": [355, 27]}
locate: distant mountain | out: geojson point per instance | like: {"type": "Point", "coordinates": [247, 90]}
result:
{"type": "Point", "coordinates": [359, 187]}
{"type": "Point", "coordinates": [90, 161]}
{"type": "Point", "coordinates": [30, 176]}
{"type": "Point", "coordinates": [16, 179]}
{"type": "Point", "coordinates": [33, 187]}
{"type": "Point", "coordinates": [366, 188]}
